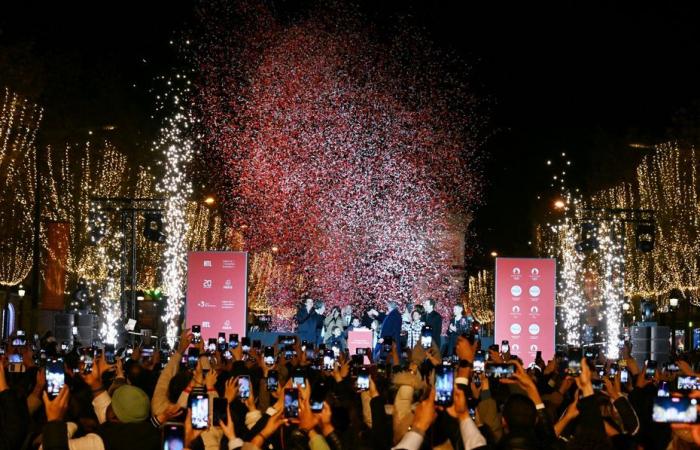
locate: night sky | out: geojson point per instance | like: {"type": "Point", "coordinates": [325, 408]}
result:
{"type": "Point", "coordinates": [575, 78]}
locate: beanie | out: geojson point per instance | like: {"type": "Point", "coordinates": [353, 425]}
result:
{"type": "Point", "coordinates": [131, 404]}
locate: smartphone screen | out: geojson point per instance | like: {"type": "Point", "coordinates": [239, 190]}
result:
{"type": "Point", "coordinates": [612, 371]}
{"type": "Point", "coordinates": [233, 340]}
{"type": "Point", "coordinates": [505, 347]}
{"type": "Point", "coordinates": [109, 354]}
{"type": "Point", "coordinates": [675, 410]}
{"type": "Point", "coordinates": [211, 345]}
{"type": "Point", "coordinates": [328, 360]}
{"type": "Point", "coordinates": [688, 383]}
{"type": "Point", "coordinates": [196, 334]}
{"type": "Point", "coordinates": [291, 403]}
{"type": "Point", "coordinates": [269, 356]}
{"type": "Point", "coordinates": [55, 377]}
{"type": "Point", "coordinates": [650, 371]}
{"type": "Point", "coordinates": [444, 385]}
{"type": "Point", "coordinates": [573, 367]}
{"type": "Point", "coordinates": [298, 380]}
{"type": "Point", "coordinates": [362, 383]}
{"type": "Point", "coordinates": [624, 375]}
{"type": "Point", "coordinates": [192, 358]}
{"type": "Point", "coordinates": [219, 411]}
{"type": "Point", "coordinates": [479, 361]}
{"type": "Point", "coordinates": [503, 370]}
{"type": "Point", "coordinates": [147, 352]}
{"type": "Point", "coordinates": [664, 390]}
{"type": "Point", "coordinates": [257, 343]}
{"type": "Point", "coordinates": [598, 385]}
{"type": "Point", "coordinates": [272, 381]}
{"type": "Point", "coordinates": [245, 344]}
{"type": "Point", "coordinates": [200, 411]}
{"type": "Point", "coordinates": [173, 436]}
{"type": "Point", "coordinates": [244, 386]}
{"type": "Point", "coordinates": [426, 337]}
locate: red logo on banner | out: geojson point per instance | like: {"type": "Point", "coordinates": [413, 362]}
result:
{"type": "Point", "coordinates": [525, 302]}
{"type": "Point", "coordinates": [217, 288]}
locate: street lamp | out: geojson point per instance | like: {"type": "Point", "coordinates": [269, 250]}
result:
{"type": "Point", "coordinates": [559, 204]}
{"type": "Point", "coordinates": [21, 291]}
{"type": "Point", "coordinates": [494, 254]}
{"type": "Point", "coordinates": [209, 200]}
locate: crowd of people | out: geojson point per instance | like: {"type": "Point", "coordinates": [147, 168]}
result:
{"type": "Point", "coordinates": [405, 328]}
{"type": "Point", "coordinates": [298, 394]}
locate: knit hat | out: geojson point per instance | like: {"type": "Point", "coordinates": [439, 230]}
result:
{"type": "Point", "coordinates": [131, 404]}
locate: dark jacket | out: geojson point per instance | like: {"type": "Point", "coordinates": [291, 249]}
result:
{"type": "Point", "coordinates": [391, 327]}
{"type": "Point", "coordinates": [306, 324]}
{"type": "Point", "coordinates": [14, 419]}
{"type": "Point", "coordinates": [115, 436]}
{"type": "Point", "coordinates": [434, 320]}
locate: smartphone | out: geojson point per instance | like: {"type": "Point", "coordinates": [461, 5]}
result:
{"type": "Point", "coordinates": [675, 410]}
{"type": "Point", "coordinates": [147, 352]}
{"type": "Point", "coordinates": [650, 370]}
{"type": "Point", "coordinates": [291, 403]}
{"type": "Point", "coordinates": [200, 411]}
{"type": "Point", "coordinates": [109, 354]}
{"type": "Point", "coordinates": [244, 386]}
{"type": "Point", "coordinates": [573, 366]}
{"type": "Point", "coordinates": [663, 390]}
{"type": "Point", "coordinates": [505, 347]}
{"type": "Point", "coordinates": [362, 383]}
{"type": "Point", "coordinates": [272, 381]}
{"type": "Point", "coordinates": [360, 351]}
{"type": "Point", "coordinates": [298, 379]}
{"type": "Point", "coordinates": [219, 411]}
{"type": "Point", "coordinates": [672, 367]}
{"type": "Point", "coordinates": [426, 337]}
{"type": "Point", "coordinates": [192, 358]}
{"type": "Point", "coordinates": [318, 396]}
{"type": "Point", "coordinates": [196, 334]}
{"type": "Point", "coordinates": [388, 342]}
{"type": "Point", "coordinates": [624, 375]}
{"type": "Point", "coordinates": [612, 371]}
{"type": "Point", "coordinates": [502, 370]}
{"type": "Point", "coordinates": [173, 437]}
{"type": "Point", "coordinates": [289, 352]}
{"type": "Point", "coordinates": [65, 346]}
{"type": "Point", "coordinates": [86, 356]}
{"type": "Point", "coordinates": [211, 345]}
{"type": "Point", "coordinates": [245, 344]}
{"type": "Point", "coordinates": [269, 356]}
{"type": "Point", "coordinates": [479, 361]}
{"type": "Point", "coordinates": [20, 339]}
{"type": "Point", "coordinates": [233, 340]}
{"type": "Point", "coordinates": [688, 383]}
{"type": "Point", "coordinates": [55, 377]}
{"type": "Point", "coordinates": [257, 343]}
{"type": "Point", "coordinates": [328, 360]}
{"type": "Point", "coordinates": [598, 385]}
{"type": "Point", "coordinates": [444, 385]}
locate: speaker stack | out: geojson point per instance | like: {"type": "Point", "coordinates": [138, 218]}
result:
{"type": "Point", "coordinates": [651, 343]}
{"type": "Point", "coordinates": [86, 324]}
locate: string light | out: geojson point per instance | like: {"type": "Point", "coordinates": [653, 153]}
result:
{"type": "Point", "coordinates": [481, 296]}
{"type": "Point", "coordinates": [19, 122]}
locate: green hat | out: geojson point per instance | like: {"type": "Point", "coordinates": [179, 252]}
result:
{"type": "Point", "coordinates": [131, 404]}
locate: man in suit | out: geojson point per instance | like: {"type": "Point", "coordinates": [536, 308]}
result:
{"type": "Point", "coordinates": [307, 320]}
{"type": "Point", "coordinates": [391, 326]}
{"type": "Point", "coordinates": [434, 320]}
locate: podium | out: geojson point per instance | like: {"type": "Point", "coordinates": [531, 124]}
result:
{"type": "Point", "coordinates": [359, 338]}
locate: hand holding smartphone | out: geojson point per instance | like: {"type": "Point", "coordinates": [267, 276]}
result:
{"type": "Point", "coordinates": [199, 403]}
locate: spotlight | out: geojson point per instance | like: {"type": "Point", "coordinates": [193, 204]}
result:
{"type": "Point", "coordinates": [21, 291]}
{"type": "Point", "coordinates": [153, 227]}
{"type": "Point", "coordinates": [644, 235]}
{"type": "Point", "coordinates": [589, 239]}
{"type": "Point", "coordinates": [97, 226]}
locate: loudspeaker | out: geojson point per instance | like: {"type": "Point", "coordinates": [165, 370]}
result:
{"type": "Point", "coordinates": [660, 333]}
{"type": "Point", "coordinates": [641, 345]}
{"type": "Point", "coordinates": [660, 346]}
{"type": "Point", "coordinates": [63, 327]}
{"type": "Point", "coordinates": [640, 333]}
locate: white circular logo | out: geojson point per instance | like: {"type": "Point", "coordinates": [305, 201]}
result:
{"type": "Point", "coordinates": [515, 348]}
{"type": "Point", "coordinates": [534, 329]}
{"type": "Point", "coordinates": [515, 328]}
{"type": "Point", "coordinates": [516, 309]}
{"type": "Point", "coordinates": [534, 291]}
{"type": "Point", "coordinates": [534, 310]}
{"type": "Point", "coordinates": [516, 291]}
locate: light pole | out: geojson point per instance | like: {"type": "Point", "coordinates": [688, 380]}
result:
{"type": "Point", "coordinates": [673, 300]}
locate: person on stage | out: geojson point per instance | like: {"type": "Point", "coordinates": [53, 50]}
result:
{"type": "Point", "coordinates": [334, 319]}
{"type": "Point", "coordinates": [336, 339]}
{"type": "Point", "coordinates": [307, 319]}
{"type": "Point", "coordinates": [320, 318]}
{"type": "Point", "coordinates": [459, 324]}
{"type": "Point", "coordinates": [413, 328]}
{"type": "Point", "coordinates": [434, 320]}
{"type": "Point", "coordinates": [347, 316]}
{"type": "Point", "coordinates": [391, 325]}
